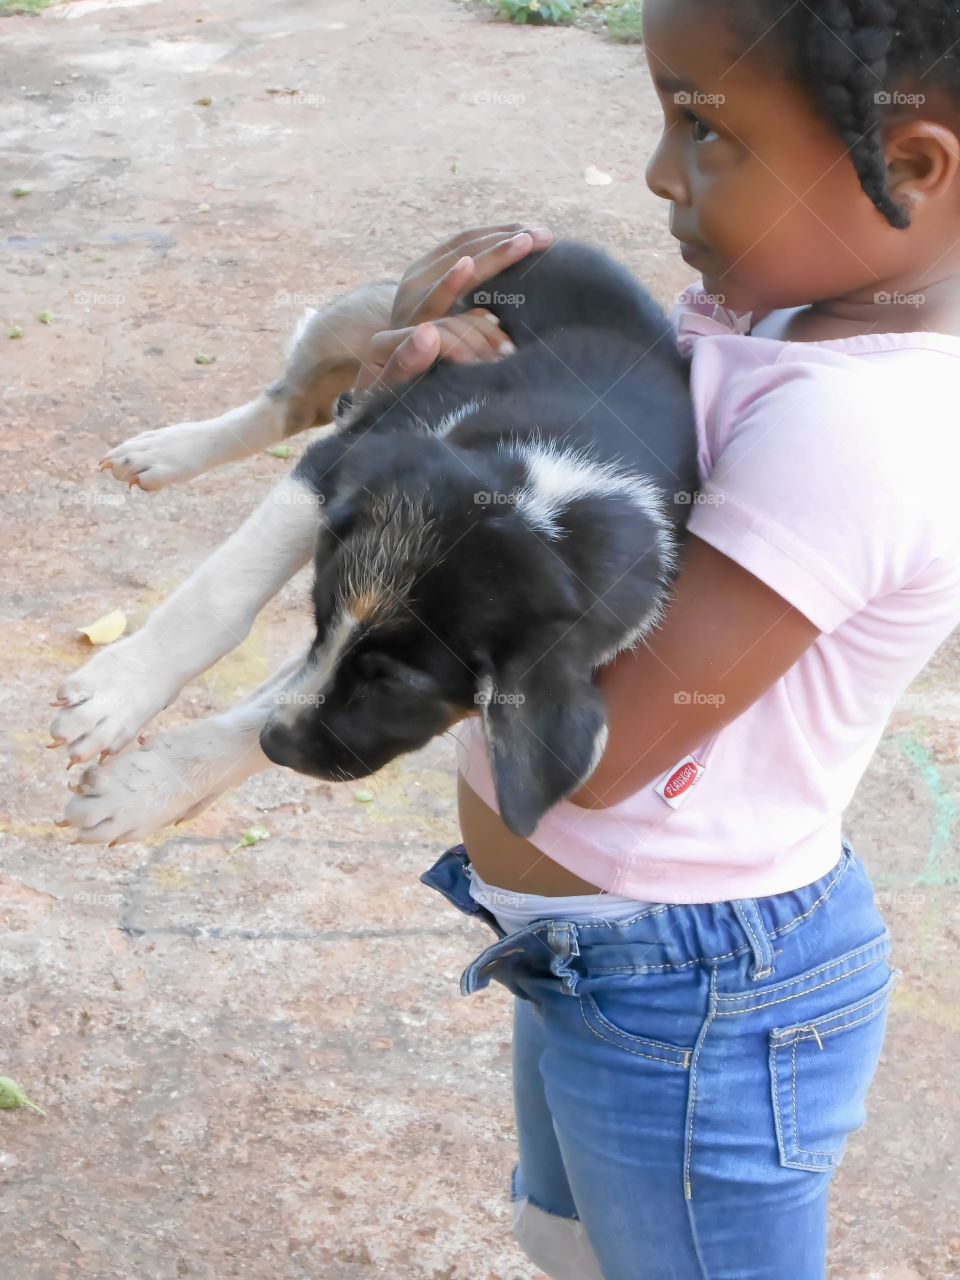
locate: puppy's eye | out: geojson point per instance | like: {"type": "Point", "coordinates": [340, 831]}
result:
{"type": "Point", "coordinates": [377, 666]}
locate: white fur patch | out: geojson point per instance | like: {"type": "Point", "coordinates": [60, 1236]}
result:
{"type": "Point", "coordinates": [558, 477]}
{"type": "Point", "coordinates": [456, 416]}
{"type": "Point", "coordinates": [303, 324]}
{"type": "Point", "coordinates": [306, 690]}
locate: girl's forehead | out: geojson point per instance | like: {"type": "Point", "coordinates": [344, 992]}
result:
{"type": "Point", "coordinates": [691, 45]}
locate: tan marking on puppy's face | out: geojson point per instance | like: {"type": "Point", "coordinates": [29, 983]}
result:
{"type": "Point", "coordinates": [364, 605]}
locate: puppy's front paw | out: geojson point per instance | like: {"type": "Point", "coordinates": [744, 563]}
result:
{"type": "Point", "coordinates": [154, 459]}
{"type": "Point", "coordinates": [142, 791]}
{"type": "Point", "coordinates": [106, 702]}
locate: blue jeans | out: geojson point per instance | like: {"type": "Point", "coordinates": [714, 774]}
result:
{"type": "Point", "coordinates": [684, 1080]}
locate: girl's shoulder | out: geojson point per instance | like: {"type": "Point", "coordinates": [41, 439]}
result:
{"type": "Point", "coordinates": [870, 388]}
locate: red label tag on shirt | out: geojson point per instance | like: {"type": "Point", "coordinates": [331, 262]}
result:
{"type": "Point", "coordinates": [676, 784]}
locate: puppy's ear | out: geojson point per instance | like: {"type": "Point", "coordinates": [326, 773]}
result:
{"type": "Point", "coordinates": [545, 727]}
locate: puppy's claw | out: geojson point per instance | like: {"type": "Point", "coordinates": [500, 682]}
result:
{"type": "Point", "coordinates": [105, 464]}
{"type": "Point", "coordinates": [61, 822]}
{"type": "Point", "coordinates": [57, 742]}
{"type": "Point", "coordinates": [104, 755]}
{"type": "Point", "coordinates": [73, 760]}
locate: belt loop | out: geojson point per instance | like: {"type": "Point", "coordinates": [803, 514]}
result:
{"type": "Point", "coordinates": [748, 913]}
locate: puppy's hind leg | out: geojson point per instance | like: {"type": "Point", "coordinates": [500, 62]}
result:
{"type": "Point", "coordinates": [323, 363]}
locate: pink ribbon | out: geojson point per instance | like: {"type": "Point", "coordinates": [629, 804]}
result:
{"type": "Point", "coordinates": [692, 325]}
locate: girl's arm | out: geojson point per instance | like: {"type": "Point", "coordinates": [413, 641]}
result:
{"type": "Point", "coordinates": [724, 640]}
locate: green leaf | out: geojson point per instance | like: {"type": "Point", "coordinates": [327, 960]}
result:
{"type": "Point", "coordinates": [20, 192]}
{"type": "Point", "coordinates": [252, 835]}
{"type": "Point", "coordinates": [45, 317]}
{"type": "Point", "coordinates": [201, 358]}
{"type": "Point", "coordinates": [14, 331]}
{"type": "Point", "coordinates": [280, 451]}
{"type": "Point", "coordinates": [11, 1095]}
{"type": "Point", "coordinates": [363, 796]}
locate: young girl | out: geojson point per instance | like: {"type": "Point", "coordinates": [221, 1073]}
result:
{"type": "Point", "coordinates": [700, 971]}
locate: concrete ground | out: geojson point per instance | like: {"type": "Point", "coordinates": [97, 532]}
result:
{"type": "Point", "coordinates": [255, 1062]}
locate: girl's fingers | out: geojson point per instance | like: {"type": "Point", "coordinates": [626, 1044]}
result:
{"type": "Point", "coordinates": [400, 354]}
{"type": "Point", "coordinates": [415, 353]}
{"type": "Point", "coordinates": [488, 259]}
{"type": "Point", "coordinates": [472, 337]}
{"type": "Point", "coordinates": [463, 241]}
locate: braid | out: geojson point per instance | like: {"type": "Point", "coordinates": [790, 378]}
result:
{"type": "Point", "coordinates": [848, 46]}
{"type": "Point", "coordinates": [853, 56]}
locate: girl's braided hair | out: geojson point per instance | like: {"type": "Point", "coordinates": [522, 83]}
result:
{"type": "Point", "coordinates": [855, 57]}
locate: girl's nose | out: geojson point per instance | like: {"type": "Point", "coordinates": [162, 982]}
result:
{"type": "Point", "coordinates": [665, 176]}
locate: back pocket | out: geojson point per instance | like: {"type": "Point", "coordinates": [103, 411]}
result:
{"type": "Point", "coordinates": [820, 1072]}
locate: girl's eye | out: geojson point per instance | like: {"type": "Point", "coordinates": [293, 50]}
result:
{"type": "Point", "coordinates": [699, 129]}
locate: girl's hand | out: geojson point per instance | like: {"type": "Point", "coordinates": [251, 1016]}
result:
{"type": "Point", "coordinates": [429, 288]}
{"type": "Point", "coordinates": [397, 355]}
{"type": "Point", "coordinates": [431, 285]}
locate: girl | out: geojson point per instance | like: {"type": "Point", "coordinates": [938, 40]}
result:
{"type": "Point", "coordinates": [700, 971]}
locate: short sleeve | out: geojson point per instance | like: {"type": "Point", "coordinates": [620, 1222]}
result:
{"type": "Point", "coordinates": [816, 490]}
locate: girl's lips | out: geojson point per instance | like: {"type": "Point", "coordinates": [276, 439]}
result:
{"type": "Point", "coordinates": [693, 253]}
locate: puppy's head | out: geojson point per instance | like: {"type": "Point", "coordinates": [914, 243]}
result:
{"type": "Point", "coordinates": [435, 600]}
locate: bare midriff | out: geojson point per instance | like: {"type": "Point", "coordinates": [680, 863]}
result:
{"type": "Point", "coordinates": [507, 861]}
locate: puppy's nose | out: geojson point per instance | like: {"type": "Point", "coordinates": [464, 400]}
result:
{"type": "Point", "coordinates": [280, 745]}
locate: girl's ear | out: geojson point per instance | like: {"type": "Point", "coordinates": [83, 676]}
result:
{"type": "Point", "coordinates": [923, 162]}
{"type": "Point", "coordinates": [545, 726]}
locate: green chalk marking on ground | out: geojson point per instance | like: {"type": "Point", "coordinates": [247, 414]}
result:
{"type": "Point", "coordinates": [945, 812]}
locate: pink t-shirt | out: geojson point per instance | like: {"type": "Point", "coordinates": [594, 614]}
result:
{"type": "Point", "coordinates": [829, 471]}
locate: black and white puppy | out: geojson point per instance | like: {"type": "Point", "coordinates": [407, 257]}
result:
{"type": "Point", "coordinates": [482, 539]}
{"type": "Point", "coordinates": [490, 534]}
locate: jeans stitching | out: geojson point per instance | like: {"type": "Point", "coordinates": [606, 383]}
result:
{"type": "Point", "coordinates": [842, 867]}
{"type": "Point", "coordinates": [878, 999]}
{"type": "Point", "coordinates": [832, 1158]}
{"type": "Point", "coordinates": [691, 1108]}
{"type": "Point", "coordinates": [759, 999]}
{"type": "Point", "coordinates": [842, 870]}
{"type": "Point", "coordinates": [729, 1013]}
{"type": "Point", "coordinates": [758, 948]}
{"type": "Point", "coordinates": [670, 1062]}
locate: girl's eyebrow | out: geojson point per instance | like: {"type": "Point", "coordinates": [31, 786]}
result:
{"type": "Point", "coordinates": [671, 84]}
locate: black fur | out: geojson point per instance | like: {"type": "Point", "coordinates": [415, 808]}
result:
{"type": "Point", "coordinates": [466, 603]}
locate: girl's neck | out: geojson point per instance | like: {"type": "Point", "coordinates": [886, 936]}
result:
{"type": "Point", "coordinates": [933, 309]}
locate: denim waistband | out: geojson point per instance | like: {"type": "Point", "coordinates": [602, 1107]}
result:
{"type": "Point", "coordinates": [661, 937]}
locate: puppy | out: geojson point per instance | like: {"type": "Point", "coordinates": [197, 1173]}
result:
{"type": "Point", "coordinates": [483, 538]}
